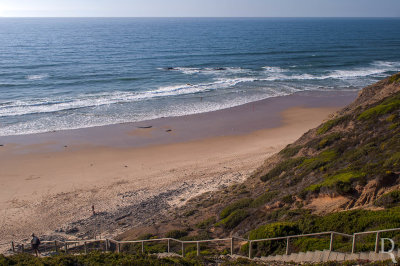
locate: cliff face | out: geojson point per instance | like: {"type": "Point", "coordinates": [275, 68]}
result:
{"type": "Point", "coordinates": [350, 163]}
{"type": "Point", "coordinates": [347, 162]}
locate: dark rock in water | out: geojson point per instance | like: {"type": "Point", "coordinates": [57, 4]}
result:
{"type": "Point", "coordinates": [220, 68]}
{"type": "Point", "coordinates": [170, 68]}
{"type": "Point", "coordinates": [65, 146]}
{"type": "Point", "coordinates": [168, 130]}
{"type": "Point", "coordinates": [146, 127]}
{"type": "Point", "coordinates": [1, 145]}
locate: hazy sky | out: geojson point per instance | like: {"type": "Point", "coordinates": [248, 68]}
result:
{"type": "Point", "coordinates": [200, 8]}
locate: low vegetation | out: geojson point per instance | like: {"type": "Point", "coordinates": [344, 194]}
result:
{"type": "Point", "coordinates": [395, 78]}
{"type": "Point", "coordinates": [345, 222]}
{"type": "Point", "coordinates": [116, 259]}
{"type": "Point", "coordinates": [385, 107]}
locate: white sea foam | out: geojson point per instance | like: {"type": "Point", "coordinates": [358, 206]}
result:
{"type": "Point", "coordinates": [272, 69]}
{"type": "Point", "coordinates": [75, 121]}
{"type": "Point", "coordinates": [377, 68]}
{"type": "Point", "coordinates": [37, 77]}
{"type": "Point", "coordinates": [48, 105]}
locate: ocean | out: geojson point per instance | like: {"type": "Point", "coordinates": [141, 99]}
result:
{"type": "Point", "coordinates": [68, 73]}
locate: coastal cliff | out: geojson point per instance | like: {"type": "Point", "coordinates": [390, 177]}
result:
{"type": "Point", "coordinates": [341, 176]}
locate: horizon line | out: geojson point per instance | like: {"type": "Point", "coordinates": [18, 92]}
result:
{"type": "Point", "coordinates": [195, 17]}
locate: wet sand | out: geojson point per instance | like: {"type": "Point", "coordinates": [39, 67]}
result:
{"type": "Point", "coordinates": [49, 181]}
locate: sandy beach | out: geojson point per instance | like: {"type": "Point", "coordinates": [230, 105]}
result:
{"type": "Point", "coordinates": [139, 170]}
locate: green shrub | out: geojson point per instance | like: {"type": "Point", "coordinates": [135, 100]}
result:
{"type": "Point", "coordinates": [320, 160]}
{"type": "Point", "coordinates": [353, 221]}
{"type": "Point", "coordinates": [206, 223]}
{"type": "Point", "coordinates": [269, 231]}
{"type": "Point", "coordinates": [311, 243]}
{"type": "Point", "coordinates": [290, 151]}
{"type": "Point", "coordinates": [339, 180]}
{"type": "Point", "coordinates": [274, 230]}
{"type": "Point", "coordinates": [391, 118]}
{"type": "Point", "coordinates": [288, 199]}
{"type": "Point", "coordinates": [393, 161]}
{"type": "Point", "coordinates": [263, 199]}
{"type": "Point", "coordinates": [329, 140]}
{"type": "Point", "coordinates": [389, 199]}
{"type": "Point", "coordinates": [331, 123]}
{"type": "Point", "coordinates": [240, 204]}
{"type": "Point", "coordinates": [97, 258]}
{"type": "Point", "coordinates": [177, 234]}
{"type": "Point", "coordinates": [394, 78]}
{"type": "Point", "coordinates": [385, 107]}
{"type": "Point", "coordinates": [234, 219]}
{"type": "Point", "coordinates": [285, 165]}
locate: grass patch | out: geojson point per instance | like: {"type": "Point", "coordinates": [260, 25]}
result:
{"type": "Point", "coordinates": [316, 162]}
{"type": "Point", "coordinates": [206, 223]}
{"type": "Point", "coordinates": [341, 179]}
{"type": "Point", "coordinates": [289, 199]}
{"type": "Point", "coordinates": [389, 199]}
{"type": "Point", "coordinates": [331, 123]}
{"type": "Point", "coordinates": [274, 230]}
{"type": "Point", "coordinates": [240, 204]}
{"type": "Point", "coordinates": [393, 161]}
{"type": "Point", "coordinates": [234, 219]}
{"type": "Point", "coordinates": [385, 107]}
{"type": "Point", "coordinates": [329, 140]}
{"type": "Point", "coordinates": [97, 258]}
{"type": "Point", "coordinates": [394, 78]}
{"type": "Point", "coordinates": [290, 151]}
{"type": "Point", "coordinates": [286, 165]}
{"type": "Point", "coordinates": [177, 234]}
{"type": "Point", "coordinates": [347, 222]}
{"type": "Point", "coordinates": [263, 199]}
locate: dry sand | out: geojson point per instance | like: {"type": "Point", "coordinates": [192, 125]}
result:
{"type": "Point", "coordinates": [46, 187]}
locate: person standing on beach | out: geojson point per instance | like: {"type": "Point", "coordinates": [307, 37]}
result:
{"type": "Point", "coordinates": [93, 211]}
{"type": "Point", "coordinates": [35, 242]}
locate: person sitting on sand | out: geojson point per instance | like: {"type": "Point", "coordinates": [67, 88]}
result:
{"type": "Point", "coordinates": [35, 244]}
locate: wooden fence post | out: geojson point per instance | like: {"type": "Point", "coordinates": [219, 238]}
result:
{"type": "Point", "coordinates": [232, 246]}
{"type": "Point", "coordinates": [119, 248]}
{"type": "Point", "coordinates": [85, 246]}
{"type": "Point", "coordinates": [66, 247]}
{"type": "Point", "coordinates": [142, 247]}
{"type": "Point", "coordinates": [55, 245]}
{"type": "Point", "coordinates": [377, 243]}
{"type": "Point", "coordinates": [249, 249]}
{"type": "Point", "coordinates": [331, 242]}
{"type": "Point", "coordinates": [168, 246]}
{"type": "Point", "coordinates": [23, 248]}
{"type": "Point", "coordinates": [13, 246]}
{"type": "Point", "coordinates": [106, 245]}
{"type": "Point", "coordinates": [353, 246]}
{"type": "Point", "coordinates": [183, 249]}
{"type": "Point", "coordinates": [198, 248]}
{"type": "Point", "coordinates": [287, 246]}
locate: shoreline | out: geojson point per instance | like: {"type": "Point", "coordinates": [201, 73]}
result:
{"type": "Point", "coordinates": [48, 189]}
{"type": "Point", "coordinates": [238, 120]}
